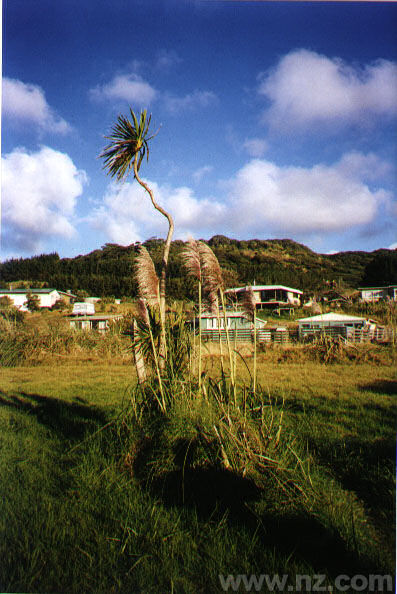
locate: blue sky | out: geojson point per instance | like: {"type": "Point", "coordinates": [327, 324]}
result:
{"type": "Point", "coordinates": [278, 120]}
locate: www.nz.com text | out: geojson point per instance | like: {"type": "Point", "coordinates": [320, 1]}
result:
{"type": "Point", "coordinates": [305, 583]}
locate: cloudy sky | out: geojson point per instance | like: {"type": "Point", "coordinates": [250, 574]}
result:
{"type": "Point", "coordinates": [278, 120]}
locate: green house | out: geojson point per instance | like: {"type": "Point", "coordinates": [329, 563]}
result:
{"type": "Point", "coordinates": [235, 320]}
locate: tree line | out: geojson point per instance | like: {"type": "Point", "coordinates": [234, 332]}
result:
{"type": "Point", "coordinates": [109, 270]}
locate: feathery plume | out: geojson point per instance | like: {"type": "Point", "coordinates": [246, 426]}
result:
{"type": "Point", "coordinates": [191, 259]}
{"type": "Point", "coordinates": [146, 276]}
{"type": "Point", "coordinates": [248, 303]}
{"type": "Point", "coordinates": [212, 274]}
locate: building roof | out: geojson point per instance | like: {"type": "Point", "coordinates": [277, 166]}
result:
{"type": "Point", "coordinates": [67, 293]}
{"type": "Point", "coordinates": [263, 288]}
{"type": "Point", "coordinates": [332, 317]}
{"type": "Point", "coordinates": [377, 288]}
{"type": "Point", "coordinates": [95, 317]}
{"type": "Point", "coordinates": [45, 291]}
{"type": "Point", "coordinates": [22, 291]}
{"type": "Point", "coordinates": [229, 314]}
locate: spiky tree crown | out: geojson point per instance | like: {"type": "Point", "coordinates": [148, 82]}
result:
{"type": "Point", "coordinates": [128, 143]}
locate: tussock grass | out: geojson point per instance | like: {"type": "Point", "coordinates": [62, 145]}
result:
{"type": "Point", "coordinates": [26, 345]}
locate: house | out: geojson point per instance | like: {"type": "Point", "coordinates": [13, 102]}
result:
{"type": "Point", "coordinates": [101, 323]}
{"type": "Point", "coordinates": [272, 296]}
{"type": "Point", "coordinates": [335, 324]}
{"type": "Point", "coordinates": [374, 294]}
{"type": "Point", "coordinates": [238, 324]}
{"type": "Point", "coordinates": [46, 297]}
{"type": "Point", "coordinates": [235, 320]}
{"type": "Point", "coordinates": [83, 308]}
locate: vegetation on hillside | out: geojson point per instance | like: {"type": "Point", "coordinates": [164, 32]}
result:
{"type": "Point", "coordinates": [108, 271]}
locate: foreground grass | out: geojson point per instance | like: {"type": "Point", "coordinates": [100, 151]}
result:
{"type": "Point", "coordinates": [76, 517]}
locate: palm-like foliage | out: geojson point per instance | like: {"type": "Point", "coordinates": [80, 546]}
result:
{"type": "Point", "coordinates": [127, 147]}
{"type": "Point", "coordinates": [128, 143]}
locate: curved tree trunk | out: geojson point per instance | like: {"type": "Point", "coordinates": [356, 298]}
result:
{"type": "Point", "coordinates": [164, 263]}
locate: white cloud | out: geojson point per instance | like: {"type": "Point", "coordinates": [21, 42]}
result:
{"type": "Point", "coordinates": [27, 103]}
{"type": "Point", "coordinates": [255, 147]}
{"type": "Point", "coordinates": [127, 87]}
{"type": "Point", "coordinates": [39, 192]}
{"type": "Point", "coordinates": [301, 200]}
{"type": "Point", "coordinates": [201, 172]}
{"type": "Point", "coordinates": [307, 87]}
{"type": "Point", "coordinates": [393, 246]}
{"type": "Point", "coordinates": [166, 59]}
{"type": "Point", "coordinates": [261, 198]}
{"type": "Point", "coordinates": [126, 214]}
{"type": "Point", "coordinates": [367, 167]}
{"type": "Point", "coordinates": [192, 101]}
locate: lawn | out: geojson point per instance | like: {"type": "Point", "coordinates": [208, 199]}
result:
{"type": "Point", "coordinates": [77, 516]}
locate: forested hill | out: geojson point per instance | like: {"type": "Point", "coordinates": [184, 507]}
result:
{"type": "Point", "coordinates": [109, 270]}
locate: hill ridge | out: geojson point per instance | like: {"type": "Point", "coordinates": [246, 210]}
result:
{"type": "Point", "coordinates": [109, 270]}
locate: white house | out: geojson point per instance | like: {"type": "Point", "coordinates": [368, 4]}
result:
{"type": "Point", "coordinates": [99, 322]}
{"type": "Point", "coordinates": [374, 294]}
{"type": "Point", "coordinates": [343, 324]}
{"type": "Point", "coordinates": [274, 296]}
{"type": "Point", "coordinates": [46, 297]}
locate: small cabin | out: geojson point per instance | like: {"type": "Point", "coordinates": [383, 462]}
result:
{"type": "Point", "coordinates": [238, 324]}
{"type": "Point", "coordinates": [237, 320]}
{"type": "Point", "coordinates": [46, 297]}
{"type": "Point", "coordinates": [269, 296]}
{"type": "Point", "coordinates": [100, 323]}
{"type": "Point", "coordinates": [83, 309]}
{"type": "Point", "coordinates": [352, 328]}
{"type": "Point", "coordinates": [375, 294]}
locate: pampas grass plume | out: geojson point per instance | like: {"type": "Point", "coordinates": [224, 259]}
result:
{"type": "Point", "coordinates": [248, 303]}
{"type": "Point", "coordinates": [146, 276]}
{"type": "Point", "coordinates": [191, 259]}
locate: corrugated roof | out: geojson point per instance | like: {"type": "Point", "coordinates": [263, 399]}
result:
{"type": "Point", "coordinates": [376, 288]}
{"type": "Point", "coordinates": [41, 291]}
{"type": "Point", "coordinates": [264, 288]}
{"type": "Point", "coordinates": [11, 291]}
{"type": "Point", "coordinates": [95, 317]}
{"type": "Point", "coordinates": [332, 317]}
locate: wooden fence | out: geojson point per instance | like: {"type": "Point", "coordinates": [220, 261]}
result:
{"type": "Point", "coordinates": [379, 334]}
{"type": "Point", "coordinates": [273, 335]}
{"type": "Point", "coordinates": [268, 335]}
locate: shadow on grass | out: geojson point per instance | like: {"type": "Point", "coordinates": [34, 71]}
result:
{"type": "Point", "coordinates": [216, 493]}
{"type": "Point", "coordinates": [388, 387]}
{"type": "Point", "coordinates": [69, 420]}
{"type": "Point", "coordinates": [367, 468]}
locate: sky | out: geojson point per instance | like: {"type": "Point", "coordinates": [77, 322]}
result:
{"type": "Point", "coordinates": [274, 120]}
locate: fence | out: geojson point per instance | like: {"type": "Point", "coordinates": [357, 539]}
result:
{"type": "Point", "coordinates": [379, 334]}
{"type": "Point", "coordinates": [285, 336]}
{"type": "Point", "coordinates": [269, 335]}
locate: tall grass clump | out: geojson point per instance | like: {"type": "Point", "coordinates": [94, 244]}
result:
{"type": "Point", "coordinates": [22, 345]}
{"type": "Point", "coordinates": [216, 444]}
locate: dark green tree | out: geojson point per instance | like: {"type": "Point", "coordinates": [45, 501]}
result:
{"type": "Point", "coordinates": [32, 302]}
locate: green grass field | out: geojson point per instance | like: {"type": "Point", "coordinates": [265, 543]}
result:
{"type": "Point", "coordinates": [77, 516]}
